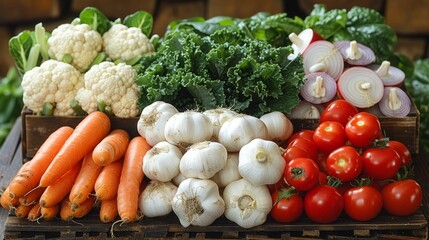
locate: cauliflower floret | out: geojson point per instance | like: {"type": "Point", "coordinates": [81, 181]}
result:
{"type": "Point", "coordinates": [79, 42]}
{"type": "Point", "coordinates": [53, 82]}
{"type": "Point", "coordinates": [114, 85]}
{"type": "Point", "coordinates": [124, 43]}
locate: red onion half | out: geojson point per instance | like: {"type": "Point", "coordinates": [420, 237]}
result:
{"type": "Point", "coordinates": [395, 102]}
{"type": "Point", "coordinates": [355, 53]}
{"type": "Point", "coordinates": [323, 56]}
{"type": "Point", "coordinates": [319, 88]}
{"type": "Point", "coordinates": [301, 41]}
{"type": "Point", "coordinates": [390, 75]}
{"type": "Point", "coordinates": [360, 86]}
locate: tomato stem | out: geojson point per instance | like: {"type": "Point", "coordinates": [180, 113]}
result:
{"type": "Point", "coordinates": [334, 182]}
{"type": "Point", "coordinates": [297, 172]}
{"type": "Point", "coordinates": [380, 142]}
{"type": "Point", "coordinates": [286, 193]}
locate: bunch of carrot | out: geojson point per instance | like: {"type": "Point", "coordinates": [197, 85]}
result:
{"type": "Point", "coordinates": [75, 169]}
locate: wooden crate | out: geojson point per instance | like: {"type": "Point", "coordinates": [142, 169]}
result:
{"type": "Point", "coordinates": [35, 129]}
{"type": "Point", "coordinates": [384, 226]}
{"type": "Point", "coordinates": [168, 227]}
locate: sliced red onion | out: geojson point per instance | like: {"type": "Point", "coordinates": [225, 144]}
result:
{"type": "Point", "coordinates": [360, 86]}
{"type": "Point", "coordinates": [323, 56]}
{"type": "Point", "coordinates": [301, 41]}
{"type": "Point", "coordinates": [355, 53]}
{"type": "Point", "coordinates": [390, 75]}
{"type": "Point", "coordinates": [304, 110]}
{"type": "Point", "coordinates": [395, 102]}
{"type": "Point", "coordinates": [319, 88]}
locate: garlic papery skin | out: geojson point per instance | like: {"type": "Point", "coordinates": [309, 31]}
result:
{"type": "Point", "coordinates": [155, 200]}
{"type": "Point", "coordinates": [246, 204]}
{"type": "Point", "coordinates": [162, 162]}
{"type": "Point", "coordinates": [178, 179]}
{"type": "Point", "coordinates": [229, 172]}
{"type": "Point", "coordinates": [186, 128]}
{"type": "Point", "coordinates": [261, 162]}
{"type": "Point", "coordinates": [240, 130]}
{"type": "Point", "coordinates": [203, 160]}
{"type": "Point", "coordinates": [218, 116]}
{"type": "Point", "coordinates": [153, 118]}
{"type": "Point", "coordinates": [198, 202]}
{"type": "Point", "coordinates": [279, 126]}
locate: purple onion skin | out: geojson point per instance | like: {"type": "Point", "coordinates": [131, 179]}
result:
{"type": "Point", "coordinates": [403, 111]}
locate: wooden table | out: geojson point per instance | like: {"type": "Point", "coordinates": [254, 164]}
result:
{"type": "Point", "coordinates": [10, 162]}
{"type": "Point", "coordinates": [384, 226]}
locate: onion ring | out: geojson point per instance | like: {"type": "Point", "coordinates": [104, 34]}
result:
{"type": "Point", "coordinates": [355, 53]}
{"type": "Point", "coordinates": [360, 86]}
{"type": "Point", "coordinates": [323, 56]}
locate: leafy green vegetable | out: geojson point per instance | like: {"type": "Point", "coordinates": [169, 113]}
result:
{"type": "Point", "coordinates": [96, 19]}
{"type": "Point", "coordinates": [200, 66]}
{"type": "Point", "coordinates": [326, 23]}
{"type": "Point", "coordinates": [273, 29]}
{"type": "Point", "coordinates": [20, 47]}
{"type": "Point", "coordinates": [418, 87]}
{"type": "Point", "coordinates": [10, 102]}
{"type": "Point", "coordinates": [41, 37]}
{"type": "Point", "coordinates": [140, 19]}
{"type": "Point", "coordinates": [365, 25]}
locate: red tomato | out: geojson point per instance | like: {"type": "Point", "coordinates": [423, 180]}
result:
{"type": "Point", "coordinates": [345, 163]}
{"type": "Point", "coordinates": [380, 163]}
{"type": "Point", "coordinates": [305, 133]}
{"type": "Point", "coordinates": [362, 129]}
{"type": "Point", "coordinates": [294, 152]}
{"type": "Point", "coordinates": [339, 111]}
{"type": "Point", "coordinates": [363, 203]}
{"type": "Point", "coordinates": [321, 162]}
{"type": "Point", "coordinates": [323, 178]}
{"type": "Point", "coordinates": [402, 198]}
{"type": "Point", "coordinates": [287, 207]}
{"type": "Point", "coordinates": [307, 145]}
{"type": "Point", "coordinates": [278, 185]}
{"type": "Point", "coordinates": [302, 173]}
{"type": "Point", "coordinates": [329, 136]}
{"type": "Point", "coordinates": [323, 204]}
{"type": "Point", "coordinates": [402, 150]}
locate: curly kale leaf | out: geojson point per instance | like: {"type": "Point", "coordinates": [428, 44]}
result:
{"type": "Point", "coordinates": [224, 69]}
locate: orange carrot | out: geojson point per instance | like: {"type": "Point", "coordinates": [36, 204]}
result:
{"type": "Point", "coordinates": [111, 148]}
{"type": "Point", "coordinates": [79, 211]}
{"type": "Point", "coordinates": [65, 209]}
{"type": "Point", "coordinates": [108, 210]}
{"type": "Point", "coordinates": [84, 184]}
{"type": "Point", "coordinates": [29, 178]}
{"type": "Point", "coordinates": [22, 211]}
{"type": "Point", "coordinates": [50, 212]}
{"type": "Point", "coordinates": [87, 134]}
{"type": "Point", "coordinates": [32, 197]}
{"type": "Point", "coordinates": [8, 202]}
{"type": "Point", "coordinates": [131, 178]}
{"type": "Point", "coordinates": [34, 213]}
{"type": "Point", "coordinates": [69, 211]}
{"type": "Point", "coordinates": [106, 185]}
{"type": "Point", "coordinates": [54, 193]}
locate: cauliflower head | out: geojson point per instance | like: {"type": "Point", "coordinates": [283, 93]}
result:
{"type": "Point", "coordinates": [126, 43]}
{"type": "Point", "coordinates": [114, 85]}
{"type": "Point", "coordinates": [79, 42]}
{"type": "Point", "coordinates": [52, 82]}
